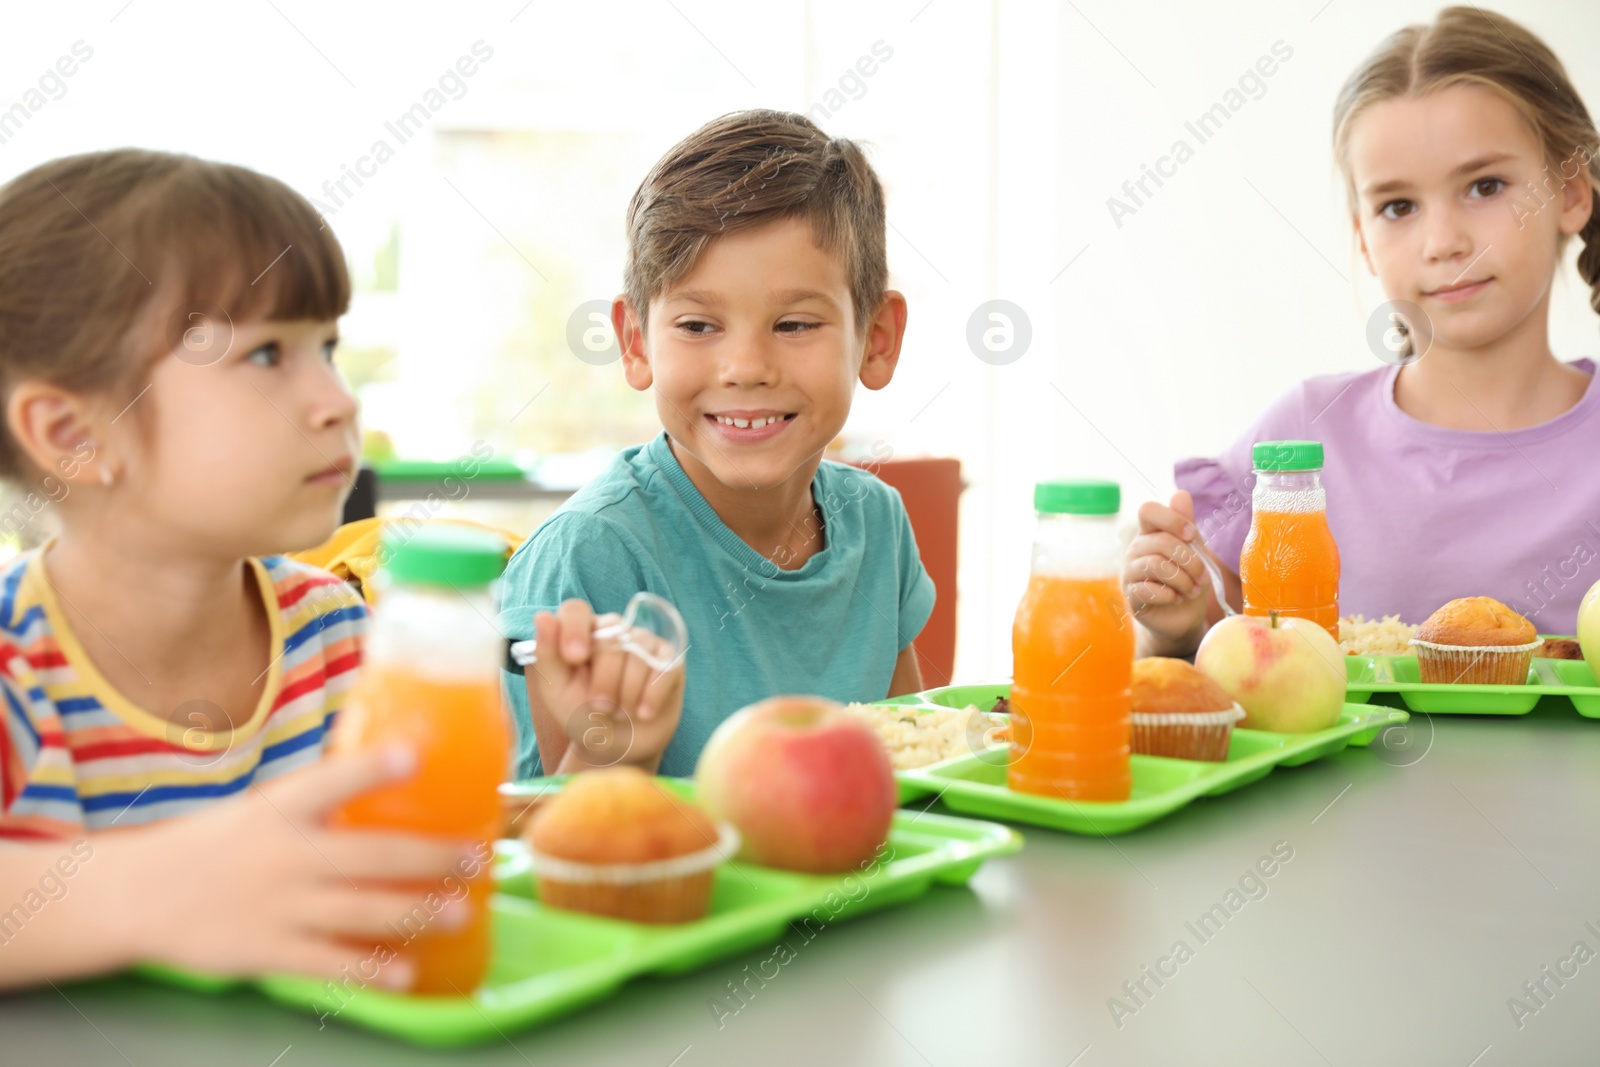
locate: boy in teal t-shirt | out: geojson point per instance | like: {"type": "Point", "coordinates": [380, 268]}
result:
{"type": "Point", "coordinates": [756, 297]}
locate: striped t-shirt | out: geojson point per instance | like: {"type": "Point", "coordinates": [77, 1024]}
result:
{"type": "Point", "coordinates": [77, 755]}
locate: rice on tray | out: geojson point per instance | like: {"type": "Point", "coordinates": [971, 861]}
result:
{"type": "Point", "coordinates": [1387, 636]}
{"type": "Point", "coordinates": [916, 737]}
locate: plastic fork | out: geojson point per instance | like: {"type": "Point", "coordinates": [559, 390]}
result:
{"type": "Point", "coordinates": [645, 611]}
{"type": "Point", "coordinates": [1215, 573]}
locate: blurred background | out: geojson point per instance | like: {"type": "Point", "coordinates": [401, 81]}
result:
{"type": "Point", "coordinates": [476, 160]}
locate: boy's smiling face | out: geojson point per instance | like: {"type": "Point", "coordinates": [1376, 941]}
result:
{"type": "Point", "coordinates": [754, 355]}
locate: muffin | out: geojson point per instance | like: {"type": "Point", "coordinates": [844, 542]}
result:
{"type": "Point", "coordinates": [1475, 640]}
{"type": "Point", "coordinates": [615, 842]}
{"type": "Point", "coordinates": [1179, 712]}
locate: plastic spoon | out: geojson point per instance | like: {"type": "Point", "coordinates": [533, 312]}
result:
{"type": "Point", "coordinates": [645, 611]}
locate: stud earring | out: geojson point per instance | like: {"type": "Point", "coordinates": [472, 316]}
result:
{"type": "Point", "coordinates": [106, 477]}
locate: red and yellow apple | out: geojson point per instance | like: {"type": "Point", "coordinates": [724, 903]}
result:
{"type": "Point", "coordinates": [1287, 674]}
{"type": "Point", "coordinates": [808, 784]}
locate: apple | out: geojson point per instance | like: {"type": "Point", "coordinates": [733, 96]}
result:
{"type": "Point", "coordinates": [1287, 674]}
{"type": "Point", "coordinates": [1589, 628]}
{"type": "Point", "coordinates": [808, 784]}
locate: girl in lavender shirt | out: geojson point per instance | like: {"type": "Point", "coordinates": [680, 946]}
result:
{"type": "Point", "coordinates": [1470, 468]}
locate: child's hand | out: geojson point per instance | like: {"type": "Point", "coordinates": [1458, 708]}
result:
{"type": "Point", "coordinates": [1164, 578]}
{"type": "Point", "coordinates": [607, 705]}
{"type": "Point", "coordinates": [261, 884]}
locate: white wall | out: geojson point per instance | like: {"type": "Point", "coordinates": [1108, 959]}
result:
{"type": "Point", "coordinates": [1000, 129]}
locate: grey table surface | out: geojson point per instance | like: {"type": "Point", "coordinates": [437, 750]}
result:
{"type": "Point", "coordinates": [1430, 879]}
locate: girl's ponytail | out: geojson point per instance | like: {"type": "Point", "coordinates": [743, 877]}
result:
{"type": "Point", "coordinates": [1589, 258]}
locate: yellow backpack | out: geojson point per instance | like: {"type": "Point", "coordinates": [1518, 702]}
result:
{"type": "Point", "coordinates": [352, 552]}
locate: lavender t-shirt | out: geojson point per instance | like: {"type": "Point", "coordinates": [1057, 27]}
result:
{"type": "Point", "coordinates": [1424, 514]}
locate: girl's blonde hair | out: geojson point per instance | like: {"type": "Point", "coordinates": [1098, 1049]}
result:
{"type": "Point", "coordinates": [1467, 45]}
{"type": "Point", "coordinates": [99, 252]}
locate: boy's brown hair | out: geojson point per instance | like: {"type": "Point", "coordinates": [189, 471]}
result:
{"type": "Point", "coordinates": [747, 169]}
{"type": "Point", "coordinates": [100, 255]}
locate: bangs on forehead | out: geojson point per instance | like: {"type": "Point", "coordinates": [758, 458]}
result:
{"type": "Point", "coordinates": [748, 169]}
{"type": "Point", "coordinates": [248, 244]}
{"type": "Point", "coordinates": [831, 232]}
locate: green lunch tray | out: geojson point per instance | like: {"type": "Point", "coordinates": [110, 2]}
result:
{"type": "Point", "coordinates": [1568, 678]}
{"type": "Point", "coordinates": [433, 470]}
{"type": "Point", "coordinates": [548, 963]}
{"type": "Point", "coordinates": [976, 784]}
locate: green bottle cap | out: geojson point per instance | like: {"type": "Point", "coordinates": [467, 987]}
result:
{"type": "Point", "coordinates": [443, 555]}
{"type": "Point", "coordinates": [1287, 455]}
{"type": "Point", "coordinates": [1084, 496]}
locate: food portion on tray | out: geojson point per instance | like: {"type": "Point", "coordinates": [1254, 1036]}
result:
{"type": "Point", "coordinates": [792, 817]}
{"type": "Point", "coordinates": [1388, 636]}
{"type": "Point", "coordinates": [1263, 693]}
{"type": "Point", "coordinates": [1474, 656]}
{"type": "Point", "coordinates": [1451, 625]}
{"type": "Point", "coordinates": [1180, 712]}
{"type": "Point", "coordinates": [918, 736]}
{"type": "Point", "coordinates": [975, 784]}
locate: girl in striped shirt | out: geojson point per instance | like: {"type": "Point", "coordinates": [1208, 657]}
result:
{"type": "Point", "coordinates": [171, 409]}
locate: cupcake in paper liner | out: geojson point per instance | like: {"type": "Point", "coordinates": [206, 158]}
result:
{"type": "Point", "coordinates": [1476, 641]}
{"type": "Point", "coordinates": [1179, 712]}
{"type": "Point", "coordinates": [615, 842]}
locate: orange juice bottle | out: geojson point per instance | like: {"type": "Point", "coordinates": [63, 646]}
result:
{"type": "Point", "coordinates": [431, 679]}
{"type": "Point", "coordinates": [1290, 563]}
{"type": "Point", "coordinates": [1072, 648]}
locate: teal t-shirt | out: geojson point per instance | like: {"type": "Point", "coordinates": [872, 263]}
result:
{"type": "Point", "coordinates": [834, 627]}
